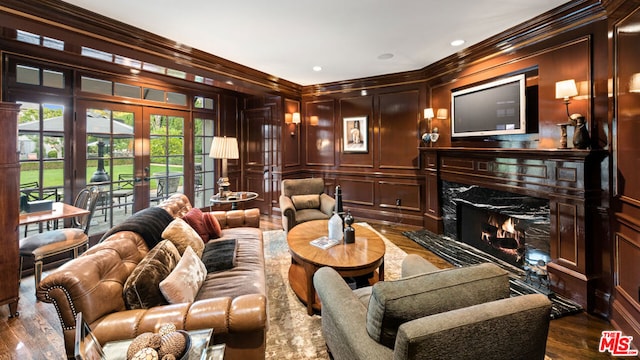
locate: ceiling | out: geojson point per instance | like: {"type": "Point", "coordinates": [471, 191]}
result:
{"type": "Point", "coordinates": [348, 39]}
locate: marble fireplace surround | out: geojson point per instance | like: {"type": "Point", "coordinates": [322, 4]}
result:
{"type": "Point", "coordinates": [530, 213]}
{"type": "Point", "coordinates": [564, 177]}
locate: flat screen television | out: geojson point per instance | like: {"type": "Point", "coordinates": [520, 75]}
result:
{"type": "Point", "coordinates": [494, 108]}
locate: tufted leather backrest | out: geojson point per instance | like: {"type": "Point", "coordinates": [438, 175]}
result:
{"type": "Point", "coordinates": [238, 218]}
{"type": "Point", "coordinates": [177, 205]}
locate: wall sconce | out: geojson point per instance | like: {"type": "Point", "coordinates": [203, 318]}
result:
{"type": "Point", "coordinates": [566, 89]}
{"type": "Point", "coordinates": [634, 83]}
{"type": "Point", "coordinates": [432, 135]}
{"type": "Point", "coordinates": [442, 114]}
{"type": "Point", "coordinates": [313, 120]}
{"type": "Point", "coordinates": [583, 90]}
{"type": "Point", "coordinates": [292, 118]}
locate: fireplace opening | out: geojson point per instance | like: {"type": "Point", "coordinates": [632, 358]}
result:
{"type": "Point", "coordinates": [518, 239]}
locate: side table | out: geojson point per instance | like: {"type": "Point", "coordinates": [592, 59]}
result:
{"type": "Point", "coordinates": [234, 198]}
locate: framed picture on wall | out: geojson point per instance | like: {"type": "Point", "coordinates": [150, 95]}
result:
{"type": "Point", "coordinates": [355, 131]}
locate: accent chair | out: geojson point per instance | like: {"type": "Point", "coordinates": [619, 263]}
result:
{"type": "Point", "coordinates": [304, 200]}
{"type": "Point", "coordinates": [459, 313]}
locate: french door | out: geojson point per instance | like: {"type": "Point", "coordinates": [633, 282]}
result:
{"type": "Point", "coordinates": [134, 154]}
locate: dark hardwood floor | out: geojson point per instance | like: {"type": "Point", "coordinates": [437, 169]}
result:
{"type": "Point", "coordinates": [36, 333]}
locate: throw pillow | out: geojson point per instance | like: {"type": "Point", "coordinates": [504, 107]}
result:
{"type": "Point", "coordinates": [212, 224]}
{"type": "Point", "coordinates": [194, 218]}
{"type": "Point", "coordinates": [183, 283]}
{"type": "Point", "coordinates": [142, 288]}
{"type": "Point", "coordinates": [301, 202]}
{"type": "Point", "coordinates": [220, 255]}
{"type": "Point", "coordinates": [183, 235]}
{"type": "Point", "coordinates": [393, 303]}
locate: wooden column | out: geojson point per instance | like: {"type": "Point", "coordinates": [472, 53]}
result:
{"type": "Point", "coordinates": [9, 207]}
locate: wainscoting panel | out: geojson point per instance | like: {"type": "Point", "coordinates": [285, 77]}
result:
{"type": "Point", "coordinates": [356, 107]}
{"type": "Point", "coordinates": [398, 139]}
{"type": "Point", "coordinates": [357, 191]}
{"type": "Point", "coordinates": [407, 193]}
{"type": "Point", "coordinates": [320, 139]}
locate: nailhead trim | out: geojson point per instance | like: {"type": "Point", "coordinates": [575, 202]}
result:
{"type": "Point", "coordinates": [55, 304]}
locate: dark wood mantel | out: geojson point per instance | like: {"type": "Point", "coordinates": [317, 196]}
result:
{"type": "Point", "coordinates": [569, 178]}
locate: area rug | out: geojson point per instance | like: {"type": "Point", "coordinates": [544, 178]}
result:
{"type": "Point", "coordinates": [293, 334]}
{"type": "Point", "coordinates": [461, 254]}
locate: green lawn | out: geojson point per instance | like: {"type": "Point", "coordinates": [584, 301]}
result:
{"type": "Point", "coordinates": [55, 178]}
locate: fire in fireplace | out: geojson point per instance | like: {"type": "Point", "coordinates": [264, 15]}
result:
{"type": "Point", "coordinates": [504, 236]}
{"type": "Point", "coordinates": [500, 232]}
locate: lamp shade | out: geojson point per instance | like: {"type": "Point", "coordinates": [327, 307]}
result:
{"type": "Point", "coordinates": [566, 89]}
{"type": "Point", "coordinates": [442, 113]}
{"type": "Point", "coordinates": [634, 83]}
{"type": "Point", "coordinates": [428, 113]}
{"type": "Point", "coordinates": [224, 148]}
{"type": "Point", "coordinates": [295, 118]}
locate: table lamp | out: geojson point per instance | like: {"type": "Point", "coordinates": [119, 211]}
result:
{"type": "Point", "coordinates": [224, 148]}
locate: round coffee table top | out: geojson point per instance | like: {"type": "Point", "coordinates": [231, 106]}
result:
{"type": "Point", "coordinates": [368, 248]}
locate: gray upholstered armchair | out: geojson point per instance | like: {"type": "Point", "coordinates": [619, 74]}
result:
{"type": "Point", "coordinates": [460, 313]}
{"type": "Point", "coordinates": [304, 200]}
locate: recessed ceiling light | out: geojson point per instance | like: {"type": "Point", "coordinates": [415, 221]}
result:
{"type": "Point", "coordinates": [385, 56]}
{"type": "Point", "coordinates": [457, 42]}
{"type": "Point", "coordinates": [317, 68]}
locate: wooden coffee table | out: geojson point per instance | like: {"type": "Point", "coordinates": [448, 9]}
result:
{"type": "Point", "coordinates": [350, 260]}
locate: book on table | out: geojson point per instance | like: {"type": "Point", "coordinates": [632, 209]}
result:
{"type": "Point", "coordinates": [324, 242]}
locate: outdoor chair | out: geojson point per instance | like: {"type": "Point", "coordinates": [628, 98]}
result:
{"type": "Point", "coordinates": [46, 244]}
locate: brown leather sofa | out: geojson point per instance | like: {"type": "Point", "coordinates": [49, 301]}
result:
{"type": "Point", "coordinates": [233, 302]}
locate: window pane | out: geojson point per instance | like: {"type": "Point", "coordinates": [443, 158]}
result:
{"type": "Point", "coordinates": [52, 43]}
{"type": "Point", "coordinates": [177, 73]}
{"type": "Point", "coordinates": [99, 123]}
{"type": "Point", "coordinates": [53, 120]}
{"type": "Point", "coordinates": [53, 79]}
{"type": "Point", "coordinates": [153, 94]}
{"type": "Point", "coordinates": [136, 64]}
{"type": "Point", "coordinates": [153, 68]}
{"type": "Point", "coordinates": [27, 75]}
{"type": "Point", "coordinates": [96, 86]}
{"type": "Point", "coordinates": [208, 103]}
{"type": "Point", "coordinates": [176, 98]}
{"type": "Point", "coordinates": [54, 147]}
{"type": "Point", "coordinates": [53, 174]}
{"type": "Point", "coordinates": [28, 37]}
{"type": "Point", "coordinates": [158, 124]}
{"type": "Point", "coordinates": [97, 54]}
{"type": "Point", "coordinates": [126, 90]}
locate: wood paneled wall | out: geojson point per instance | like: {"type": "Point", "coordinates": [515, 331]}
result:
{"type": "Point", "coordinates": [384, 182]}
{"type": "Point", "coordinates": [626, 200]}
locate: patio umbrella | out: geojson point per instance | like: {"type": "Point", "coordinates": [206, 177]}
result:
{"type": "Point", "coordinates": [98, 125]}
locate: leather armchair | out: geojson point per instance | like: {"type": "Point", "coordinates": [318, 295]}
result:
{"type": "Point", "coordinates": [304, 200]}
{"type": "Point", "coordinates": [460, 313]}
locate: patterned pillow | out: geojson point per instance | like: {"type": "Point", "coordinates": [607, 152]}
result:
{"type": "Point", "coordinates": [182, 285]}
{"type": "Point", "coordinates": [183, 235]}
{"type": "Point", "coordinates": [306, 201]}
{"type": "Point", "coordinates": [142, 289]}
